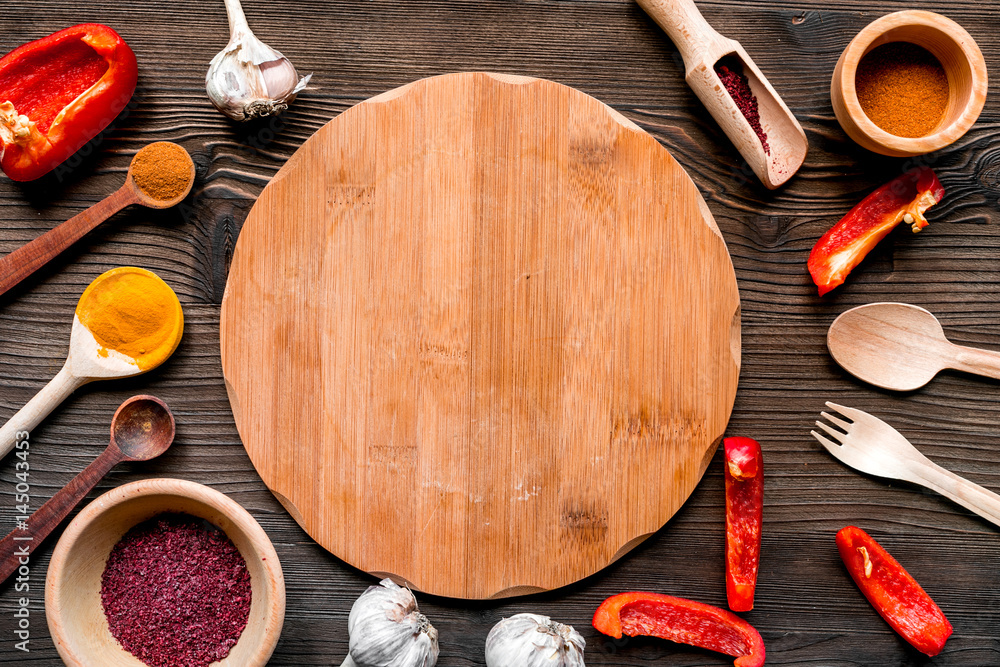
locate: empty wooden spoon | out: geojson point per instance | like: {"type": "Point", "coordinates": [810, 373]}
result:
{"type": "Point", "coordinates": [95, 353]}
{"type": "Point", "coordinates": [142, 429]}
{"type": "Point", "coordinates": [902, 347]}
{"type": "Point", "coordinates": [160, 176]}
{"type": "Point", "coordinates": [702, 48]}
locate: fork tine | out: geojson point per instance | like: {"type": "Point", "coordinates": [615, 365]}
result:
{"type": "Point", "coordinates": [830, 445]}
{"type": "Point", "coordinates": [837, 435]}
{"type": "Point", "coordinates": [851, 413]}
{"type": "Point", "coordinates": [836, 421]}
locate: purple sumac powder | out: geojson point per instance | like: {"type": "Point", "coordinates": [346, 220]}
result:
{"type": "Point", "coordinates": [176, 592]}
{"type": "Point", "coordinates": [730, 72]}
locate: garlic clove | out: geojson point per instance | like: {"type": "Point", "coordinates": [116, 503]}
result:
{"type": "Point", "coordinates": [532, 640]}
{"type": "Point", "coordinates": [249, 79]}
{"type": "Point", "coordinates": [281, 81]}
{"type": "Point", "coordinates": [387, 630]}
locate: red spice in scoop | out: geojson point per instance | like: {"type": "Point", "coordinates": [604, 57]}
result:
{"type": "Point", "coordinates": [730, 72]}
{"type": "Point", "coordinates": [176, 592]}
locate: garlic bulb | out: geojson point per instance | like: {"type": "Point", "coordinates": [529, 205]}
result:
{"type": "Point", "coordinates": [530, 640]}
{"type": "Point", "coordinates": [387, 630]}
{"type": "Point", "coordinates": [248, 79]}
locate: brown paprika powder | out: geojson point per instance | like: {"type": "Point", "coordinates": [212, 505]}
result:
{"type": "Point", "coordinates": [902, 88]}
{"type": "Point", "coordinates": [162, 170]}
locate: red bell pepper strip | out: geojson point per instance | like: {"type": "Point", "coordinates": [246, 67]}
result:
{"type": "Point", "coordinates": [896, 595]}
{"type": "Point", "coordinates": [682, 621]}
{"type": "Point", "coordinates": [744, 517]}
{"type": "Point", "coordinates": [844, 246]}
{"type": "Point", "coordinates": [58, 93]}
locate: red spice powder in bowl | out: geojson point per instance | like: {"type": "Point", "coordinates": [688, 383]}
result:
{"type": "Point", "coordinates": [122, 529]}
{"type": "Point", "coordinates": [176, 591]}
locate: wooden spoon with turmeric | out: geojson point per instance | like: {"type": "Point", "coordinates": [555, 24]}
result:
{"type": "Point", "coordinates": [128, 321]}
{"type": "Point", "coordinates": [160, 176]}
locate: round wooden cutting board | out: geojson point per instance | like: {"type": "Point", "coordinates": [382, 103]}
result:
{"type": "Point", "coordinates": [481, 334]}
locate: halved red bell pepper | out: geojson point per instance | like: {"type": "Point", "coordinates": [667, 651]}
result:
{"type": "Point", "coordinates": [683, 621]}
{"type": "Point", "coordinates": [744, 518]}
{"type": "Point", "coordinates": [896, 595]}
{"type": "Point", "coordinates": [905, 198]}
{"type": "Point", "coordinates": [58, 93]}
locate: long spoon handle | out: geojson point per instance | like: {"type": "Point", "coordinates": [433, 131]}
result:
{"type": "Point", "coordinates": [967, 494]}
{"type": "Point", "coordinates": [974, 360]}
{"type": "Point", "coordinates": [687, 28]}
{"type": "Point", "coordinates": [35, 410]}
{"type": "Point", "coordinates": [20, 543]}
{"type": "Point", "coordinates": [24, 261]}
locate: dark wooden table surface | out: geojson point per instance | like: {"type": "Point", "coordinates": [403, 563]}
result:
{"type": "Point", "coordinates": [808, 610]}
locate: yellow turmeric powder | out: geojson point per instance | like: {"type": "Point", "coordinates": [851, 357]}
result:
{"type": "Point", "coordinates": [133, 312]}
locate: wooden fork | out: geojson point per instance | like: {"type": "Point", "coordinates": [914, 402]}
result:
{"type": "Point", "coordinates": [870, 445]}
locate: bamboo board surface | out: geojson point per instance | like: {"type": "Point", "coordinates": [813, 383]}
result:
{"type": "Point", "coordinates": [481, 334]}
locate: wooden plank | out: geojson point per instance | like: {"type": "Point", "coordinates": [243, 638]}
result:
{"type": "Point", "coordinates": [807, 609]}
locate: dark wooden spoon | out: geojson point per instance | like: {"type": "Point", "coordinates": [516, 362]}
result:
{"type": "Point", "coordinates": [142, 429]}
{"type": "Point", "coordinates": [24, 261]}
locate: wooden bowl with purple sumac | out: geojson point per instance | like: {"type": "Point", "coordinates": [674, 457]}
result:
{"type": "Point", "coordinates": [164, 572]}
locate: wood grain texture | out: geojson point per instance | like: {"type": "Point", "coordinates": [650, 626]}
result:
{"type": "Point", "coordinates": [807, 608]}
{"type": "Point", "coordinates": [21, 263]}
{"type": "Point", "coordinates": [490, 347]}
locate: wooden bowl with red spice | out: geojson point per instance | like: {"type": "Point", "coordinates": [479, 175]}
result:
{"type": "Point", "coordinates": [909, 83]}
{"type": "Point", "coordinates": [173, 570]}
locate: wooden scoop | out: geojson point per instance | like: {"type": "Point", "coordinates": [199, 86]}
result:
{"type": "Point", "coordinates": [88, 361]}
{"type": "Point", "coordinates": [702, 47]}
{"type": "Point", "coordinates": [902, 347]}
{"type": "Point", "coordinates": [142, 429]}
{"type": "Point", "coordinates": [24, 261]}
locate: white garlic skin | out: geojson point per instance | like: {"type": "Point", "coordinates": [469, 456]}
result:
{"type": "Point", "coordinates": [531, 640]}
{"type": "Point", "coordinates": [248, 79]}
{"type": "Point", "coordinates": [387, 630]}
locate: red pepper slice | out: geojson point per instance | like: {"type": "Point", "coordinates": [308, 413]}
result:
{"type": "Point", "coordinates": [844, 246]}
{"type": "Point", "coordinates": [682, 621]}
{"type": "Point", "coordinates": [744, 517]}
{"type": "Point", "coordinates": [58, 93]}
{"type": "Point", "coordinates": [896, 595]}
